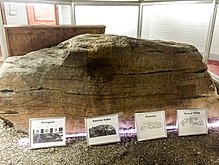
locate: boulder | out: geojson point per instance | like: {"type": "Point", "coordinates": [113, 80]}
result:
{"type": "Point", "coordinates": [99, 74]}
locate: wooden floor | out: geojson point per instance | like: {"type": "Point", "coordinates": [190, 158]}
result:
{"type": "Point", "coordinates": [213, 66]}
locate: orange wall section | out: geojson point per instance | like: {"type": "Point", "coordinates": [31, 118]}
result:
{"type": "Point", "coordinates": [32, 18]}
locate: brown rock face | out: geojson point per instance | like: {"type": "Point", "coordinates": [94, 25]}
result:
{"type": "Point", "coordinates": [92, 75]}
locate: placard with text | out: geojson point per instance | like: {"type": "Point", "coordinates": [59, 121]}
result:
{"type": "Point", "coordinates": [102, 129]}
{"type": "Point", "coordinates": [192, 122]}
{"type": "Point", "coordinates": [47, 132]}
{"type": "Point", "coordinates": [150, 125]}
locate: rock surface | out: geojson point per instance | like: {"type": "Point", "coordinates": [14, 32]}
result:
{"type": "Point", "coordinates": [92, 75]}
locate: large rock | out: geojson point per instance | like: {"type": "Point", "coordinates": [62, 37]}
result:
{"type": "Point", "coordinates": [91, 75]}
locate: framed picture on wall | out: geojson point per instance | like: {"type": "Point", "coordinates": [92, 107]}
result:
{"type": "Point", "coordinates": [102, 129]}
{"type": "Point", "coordinates": [47, 132]}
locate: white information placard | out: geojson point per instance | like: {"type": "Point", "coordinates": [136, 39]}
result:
{"type": "Point", "coordinates": [192, 122]}
{"type": "Point", "coordinates": [47, 132]}
{"type": "Point", "coordinates": [150, 125]}
{"type": "Point", "coordinates": [102, 129]}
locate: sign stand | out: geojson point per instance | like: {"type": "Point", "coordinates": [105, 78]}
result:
{"type": "Point", "coordinates": [47, 132]}
{"type": "Point", "coordinates": [150, 125]}
{"type": "Point", "coordinates": [102, 129]}
{"type": "Point", "coordinates": [192, 122]}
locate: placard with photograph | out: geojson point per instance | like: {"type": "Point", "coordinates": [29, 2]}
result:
{"type": "Point", "coordinates": [47, 132]}
{"type": "Point", "coordinates": [150, 125]}
{"type": "Point", "coordinates": [102, 129]}
{"type": "Point", "coordinates": [192, 122]}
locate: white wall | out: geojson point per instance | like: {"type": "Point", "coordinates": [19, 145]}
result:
{"type": "Point", "coordinates": [16, 13]}
{"type": "Point", "coordinates": [121, 20]}
{"type": "Point", "coordinates": [64, 12]}
{"type": "Point", "coordinates": [177, 22]}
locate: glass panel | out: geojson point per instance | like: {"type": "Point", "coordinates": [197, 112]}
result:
{"type": "Point", "coordinates": [15, 13]}
{"type": "Point", "coordinates": [64, 12]}
{"type": "Point", "coordinates": [121, 20]}
{"type": "Point", "coordinates": [39, 14]}
{"type": "Point", "coordinates": [27, 13]}
{"type": "Point", "coordinates": [213, 63]}
{"type": "Point", "coordinates": [105, 0]}
{"type": "Point", "coordinates": [177, 22]}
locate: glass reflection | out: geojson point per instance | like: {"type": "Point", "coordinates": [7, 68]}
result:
{"type": "Point", "coordinates": [186, 23]}
{"type": "Point", "coordinates": [213, 62]}
{"type": "Point", "coordinates": [120, 20]}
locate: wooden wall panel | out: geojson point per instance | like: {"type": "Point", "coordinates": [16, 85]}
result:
{"type": "Point", "coordinates": [24, 39]}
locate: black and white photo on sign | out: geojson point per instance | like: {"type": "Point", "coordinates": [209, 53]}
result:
{"type": "Point", "coordinates": [150, 125]}
{"type": "Point", "coordinates": [192, 122]}
{"type": "Point", "coordinates": [47, 132]}
{"type": "Point", "coordinates": [102, 129]}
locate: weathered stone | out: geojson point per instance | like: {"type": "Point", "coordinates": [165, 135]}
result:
{"type": "Point", "coordinates": [91, 75]}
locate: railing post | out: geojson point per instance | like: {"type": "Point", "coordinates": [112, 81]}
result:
{"type": "Point", "coordinates": [4, 47]}
{"type": "Point", "coordinates": [210, 32]}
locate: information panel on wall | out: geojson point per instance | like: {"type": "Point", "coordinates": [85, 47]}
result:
{"type": "Point", "coordinates": [102, 129]}
{"type": "Point", "coordinates": [150, 125]}
{"type": "Point", "coordinates": [47, 132]}
{"type": "Point", "coordinates": [192, 122]}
